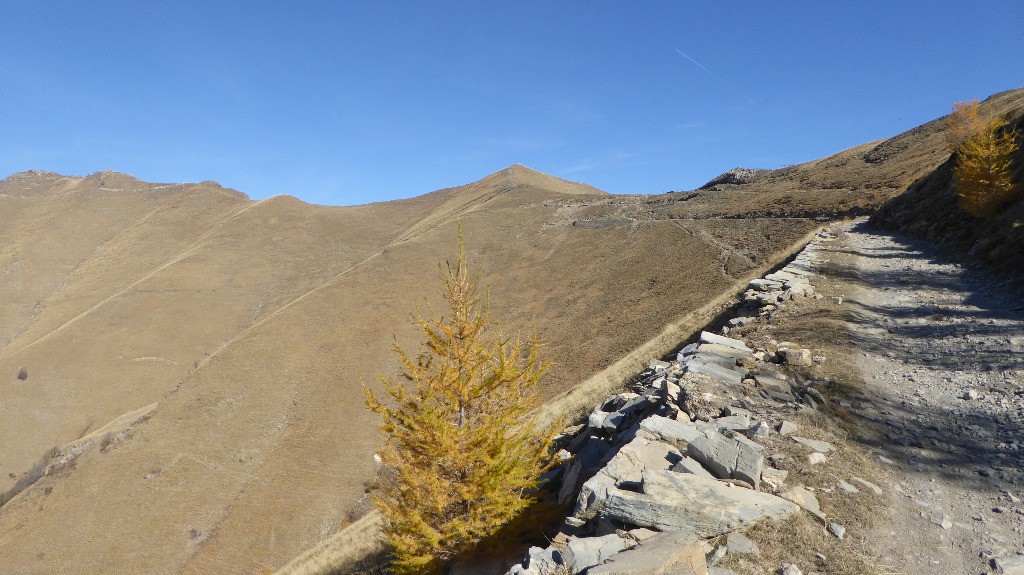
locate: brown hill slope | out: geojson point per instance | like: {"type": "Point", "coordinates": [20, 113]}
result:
{"type": "Point", "coordinates": [930, 209]}
{"type": "Point", "coordinates": [252, 324]}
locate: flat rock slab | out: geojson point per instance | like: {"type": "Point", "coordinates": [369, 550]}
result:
{"type": "Point", "coordinates": [583, 553]}
{"type": "Point", "coordinates": [681, 501]}
{"type": "Point", "coordinates": [805, 499]}
{"type": "Point", "coordinates": [676, 553]}
{"type": "Point", "coordinates": [691, 465]}
{"type": "Point", "coordinates": [716, 371]}
{"type": "Point", "coordinates": [724, 351]}
{"type": "Point", "coordinates": [626, 466]}
{"type": "Point", "coordinates": [708, 337]}
{"type": "Point", "coordinates": [815, 444]}
{"type": "Point", "coordinates": [670, 430]}
{"type": "Point", "coordinates": [734, 457]}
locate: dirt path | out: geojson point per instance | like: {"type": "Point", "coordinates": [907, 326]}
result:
{"type": "Point", "coordinates": [939, 351]}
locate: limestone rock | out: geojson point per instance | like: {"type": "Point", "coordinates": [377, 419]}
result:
{"type": "Point", "coordinates": [627, 465]}
{"type": "Point", "coordinates": [708, 337]}
{"type": "Point", "coordinates": [867, 485]}
{"type": "Point", "coordinates": [740, 544]}
{"type": "Point", "coordinates": [691, 465]}
{"type": "Point", "coordinates": [585, 552]}
{"type": "Point", "coordinates": [676, 552]}
{"type": "Point", "coordinates": [797, 357]}
{"type": "Point", "coordinates": [815, 444]}
{"type": "Point", "coordinates": [805, 499]}
{"type": "Point", "coordinates": [669, 429]}
{"type": "Point", "coordinates": [727, 457]}
{"type": "Point", "coordinates": [679, 501]}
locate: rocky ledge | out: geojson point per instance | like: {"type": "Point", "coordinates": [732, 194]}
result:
{"type": "Point", "coordinates": [665, 478]}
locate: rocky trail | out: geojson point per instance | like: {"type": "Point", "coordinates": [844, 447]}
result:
{"type": "Point", "coordinates": [888, 440]}
{"type": "Point", "coordinates": [938, 351]}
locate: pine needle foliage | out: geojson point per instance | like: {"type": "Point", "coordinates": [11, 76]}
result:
{"type": "Point", "coordinates": [983, 171]}
{"type": "Point", "coordinates": [462, 454]}
{"type": "Point", "coordinates": [964, 123]}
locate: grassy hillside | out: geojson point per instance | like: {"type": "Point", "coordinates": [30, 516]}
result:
{"type": "Point", "coordinates": [930, 209]}
{"type": "Point", "coordinates": [251, 326]}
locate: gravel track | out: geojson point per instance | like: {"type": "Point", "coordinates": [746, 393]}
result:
{"type": "Point", "coordinates": [939, 351]}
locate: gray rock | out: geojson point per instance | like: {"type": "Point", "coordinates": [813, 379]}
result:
{"type": "Point", "coordinates": [705, 357]}
{"type": "Point", "coordinates": [740, 544]}
{"type": "Point", "coordinates": [570, 483]}
{"type": "Point", "coordinates": [815, 444]}
{"type": "Point", "coordinates": [815, 458]}
{"type": "Point", "coordinates": [805, 499]}
{"type": "Point", "coordinates": [681, 501]}
{"type": "Point", "coordinates": [1013, 565]}
{"type": "Point", "coordinates": [789, 569]}
{"type": "Point", "coordinates": [760, 429]}
{"type": "Point", "coordinates": [691, 465]}
{"type": "Point", "coordinates": [658, 365]}
{"type": "Point", "coordinates": [721, 571]}
{"type": "Point", "coordinates": [669, 429]}
{"type": "Point", "coordinates": [539, 562]}
{"type": "Point", "coordinates": [765, 285]}
{"type": "Point", "coordinates": [867, 485]}
{"type": "Point", "coordinates": [797, 357]}
{"type": "Point", "coordinates": [774, 476]}
{"type": "Point", "coordinates": [846, 487]}
{"type": "Point", "coordinates": [726, 457]}
{"type": "Point", "coordinates": [838, 530]}
{"type": "Point", "coordinates": [627, 465]}
{"type": "Point", "coordinates": [788, 428]}
{"type": "Point", "coordinates": [675, 552]}
{"type": "Point", "coordinates": [741, 321]}
{"type": "Point", "coordinates": [586, 552]}
{"type": "Point", "coordinates": [724, 351]}
{"type": "Point", "coordinates": [716, 371]}
{"type": "Point", "coordinates": [711, 338]}
{"type": "Point", "coordinates": [717, 555]}
{"type": "Point", "coordinates": [733, 422]}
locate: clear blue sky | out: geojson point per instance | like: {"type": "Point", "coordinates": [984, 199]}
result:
{"type": "Point", "coordinates": [348, 102]}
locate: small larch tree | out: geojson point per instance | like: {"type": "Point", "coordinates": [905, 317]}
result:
{"type": "Point", "coordinates": [983, 169]}
{"type": "Point", "coordinates": [460, 451]}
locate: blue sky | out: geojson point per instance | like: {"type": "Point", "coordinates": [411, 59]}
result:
{"type": "Point", "coordinates": [351, 102]}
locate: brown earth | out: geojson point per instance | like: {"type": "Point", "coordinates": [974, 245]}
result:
{"type": "Point", "coordinates": [251, 325]}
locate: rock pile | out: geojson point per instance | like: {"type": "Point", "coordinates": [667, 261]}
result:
{"type": "Point", "coordinates": [658, 473]}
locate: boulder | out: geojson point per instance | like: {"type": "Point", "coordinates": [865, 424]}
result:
{"type": "Point", "coordinates": [715, 371]}
{"type": "Point", "coordinates": [583, 553]}
{"type": "Point", "coordinates": [797, 357]}
{"type": "Point", "coordinates": [691, 465]}
{"type": "Point", "coordinates": [626, 466]}
{"type": "Point", "coordinates": [669, 430]}
{"type": "Point", "coordinates": [677, 552]}
{"type": "Point", "coordinates": [680, 501]}
{"type": "Point", "coordinates": [729, 457]}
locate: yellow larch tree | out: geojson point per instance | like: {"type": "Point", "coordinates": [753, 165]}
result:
{"type": "Point", "coordinates": [460, 451]}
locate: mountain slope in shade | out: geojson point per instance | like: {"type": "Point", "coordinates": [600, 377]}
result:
{"type": "Point", "coordinates": [253, 324]}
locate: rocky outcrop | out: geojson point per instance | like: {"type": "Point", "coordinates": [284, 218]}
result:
{"type": "Point", "coordinates": [734, 176]}
{"type": "Point", "coordinates": [658, 471]}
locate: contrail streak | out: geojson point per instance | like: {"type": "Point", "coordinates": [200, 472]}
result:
{"type": "Point", "coordinates": [719, 78]}
{"type": "Point", "coordinates": [699, 65]}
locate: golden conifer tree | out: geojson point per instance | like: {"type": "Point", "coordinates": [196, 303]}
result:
{"type": "Point", "coordinates": [983, 170]}
{"type": "Point", "coordinates": [964, 123]}
{"type": "Point", "coordinates": [461, 453]}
